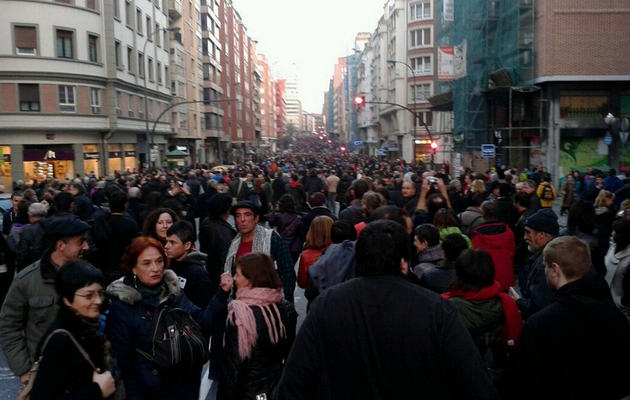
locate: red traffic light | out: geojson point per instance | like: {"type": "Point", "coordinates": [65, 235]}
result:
{"type": "Point", "coordinates": [434, 145]}
{"type": "Point", "coordinates": [343, 148]}
{"type": "Point", "coordinates": [359, 101]}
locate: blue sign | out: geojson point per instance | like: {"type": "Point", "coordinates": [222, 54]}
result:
{"type": "Point", "coordinates": [382, 152]}
{"type": "Point", "coordinates": [608, 140]}
{"type": "Point", "coordinates": [487, 150]}
{"type": "Point", "coordinates": [358, 143]}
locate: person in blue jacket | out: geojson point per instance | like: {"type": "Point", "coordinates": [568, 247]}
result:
{"type": "Point", "coordinates": [146, 285]}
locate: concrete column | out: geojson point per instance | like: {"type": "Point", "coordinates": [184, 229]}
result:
{"type": "Point", "coordinates": [78, 159]}
{"type": "Point", "coordinates": [553, 137]}
{"type": "Point", "coordinates": [17, 163]}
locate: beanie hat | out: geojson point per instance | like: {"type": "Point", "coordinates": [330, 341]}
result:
{"type": "Point", "coordinates": [545, 220]}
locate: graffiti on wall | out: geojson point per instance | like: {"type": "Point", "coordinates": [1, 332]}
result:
{"type": "Point", "coordinates": [580, 153]}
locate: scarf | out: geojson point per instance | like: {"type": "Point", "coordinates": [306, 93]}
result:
{"type": "Point", "coordinates": [241, 315]}
{"type": "Point", "coordinates": [151, 292]}
{"type": "Point", "coordinates": [513, 324]}
{"type": "Point", "coordinates": [262, 242]}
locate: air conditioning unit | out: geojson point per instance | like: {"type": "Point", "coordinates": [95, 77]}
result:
{"type": "Point", "coordinates": [96, 109]}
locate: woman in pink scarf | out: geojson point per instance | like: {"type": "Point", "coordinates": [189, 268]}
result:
{"type": "Point", "coordinates": [259, 333]}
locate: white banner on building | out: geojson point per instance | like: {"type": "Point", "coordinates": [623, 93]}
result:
{"type": "Point", "coordinates": [459, 61]}
{"type": "Point", "coordinates": [449, 10]}
{"type": "Point", "coordinates": [445, 63]}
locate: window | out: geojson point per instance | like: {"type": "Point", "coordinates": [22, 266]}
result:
{"type": "Point", "coordinates": [421, 37]}
{"type": "Point", "coordinates": [165, 33]}
{"type": "Point", "coordinates": [67, 97]}
{"type": "Point", "coordinates": [93, 48]}
{"type": "Point", "coordinates": [128, 13]}
{"type": "Point", "coordinates": [139, 21]}
{"type": "Point", "coordinates": [64, 43]}
{"type": "Point", "coordinates": [141, 107]}
{"type": "Point", "coordinates": [419, 11]}
{"type": "Point", "coordinates": [422, 92]}
{"type": "Point", "coordinates": [422, 65]}
{"type": "Point", "coordinates": [117, 9]}
{"type": "Point", "coordinates": [181, 88]}
{"type": "Point", "coordinates": [158, 37]}
{"type": "Point", "coordinates": [130, 105]}
{"type": "Point", "coordinates": [118, 100]}
{"type": "Point", "coordinates": [29, 97]}
{"type": "Point", "coordinates": [167, 77]}
{"type": "Point", "coordinates": [151, 75]}
{"type": "Point", "coordinates": [159, 72]}
{"type": "Point", "coordinates": [183, 120]}
{"type": "Point", "coordinates": [141, 64]}
{"type": "Point", "coordinates": [25, 40]}
{"type": "Point", "coordinates": [149, 27]}
{"type": "Point", "coordinates": [131, 62]}
{"type": "Point", "coordinates": [118, 55]}
{"type": "Point", "coordinates": [91, 4]}
{"type": "Point", "coordinates": [95, 99]}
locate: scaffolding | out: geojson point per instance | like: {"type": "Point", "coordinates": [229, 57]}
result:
{"type": "Point", "coordinates": [496, 38]}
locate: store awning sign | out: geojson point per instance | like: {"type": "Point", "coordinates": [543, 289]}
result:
{"type": "Point", "coordinates": [91, 156]}
{"type": "Point", "coordinates": [48, 155]}
{"type": "Point", "coordinates": [130, 153]}
{"type": "Point", "coordinates": [114, 154]}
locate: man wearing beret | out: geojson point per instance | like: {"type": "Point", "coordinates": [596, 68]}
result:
{"type": "Point", "coordinates": [31, 304]}
{"type": "Point", "coordinates": [540, 229]}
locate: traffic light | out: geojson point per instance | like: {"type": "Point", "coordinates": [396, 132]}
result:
{"type": "Point", "coordinates": [343, 148]}
{"type": "Point", "coordinates": [359, 101]}
{"type": "Point", "coordinates": [434, 146]}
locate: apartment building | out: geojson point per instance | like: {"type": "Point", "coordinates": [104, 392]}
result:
{"type": "Point", "coordinates": [72, 77]}
{"type": "Point", "coordinates": [281, 109]}
{"type": "Point", "coordinates": [269, 132]}
{"type": "Point", "coordinates": [293, 104]}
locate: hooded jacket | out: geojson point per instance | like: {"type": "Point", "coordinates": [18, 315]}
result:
{"type": "Point", "coordinates": [194, 278]}
{"type": "Point", "coordinates": [428, 259]}
{"type": "Point", "coordinates": [471, 219]}
{"type": "Point", "coordinates": [128, 328]}
{"type": "Point", "coordinates": [576, 348]}
{"type": "Point", "coordinates": [498, 240]}
{"type": "Point", "coordinates": [617, 265]}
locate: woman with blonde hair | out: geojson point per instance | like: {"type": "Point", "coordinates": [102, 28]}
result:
{"type": "Point", "coordinates": [478, 186]}
{"type": "Point", "coordinates": [317, 240]}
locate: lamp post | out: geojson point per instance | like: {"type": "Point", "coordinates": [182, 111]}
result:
{"type": "Point", "coordinates": [149, 136]}
{"type": "Point", "coordinates": [608, 139]}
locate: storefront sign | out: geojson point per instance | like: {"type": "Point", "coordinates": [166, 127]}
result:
{"type": "Point", "coordinates": [182, 148]}
{"type": "Point", "coordinates": [445, 63]}
{"type": "Point", "coordinates": [91, 156]}
{"type": "Point", "coordinates": [130, 153]}
{"type": "Point", "coordinates": [114, 154]}
{"type": "Point", "coordinates": [48, 155]}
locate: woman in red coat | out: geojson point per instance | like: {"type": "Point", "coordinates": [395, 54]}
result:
{"type": "Point", "coordinates": [317, 240]}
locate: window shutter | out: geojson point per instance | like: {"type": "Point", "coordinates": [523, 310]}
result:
{"type": "Point", "coordinates": [29, 92]}
{"type": "Point", "coordinates": [26, 37]}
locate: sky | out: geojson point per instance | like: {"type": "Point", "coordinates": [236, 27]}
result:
{"type": "Point", "coordinates": [310, 34]}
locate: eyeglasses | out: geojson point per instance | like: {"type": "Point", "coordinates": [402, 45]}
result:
{"type": "Point", "coordinates": [92, 295]}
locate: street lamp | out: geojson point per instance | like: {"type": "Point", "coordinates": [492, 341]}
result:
{"type": "Point", "coordinates": [149, 136]}
{"type": "Point", "coordinates": [608, 139]}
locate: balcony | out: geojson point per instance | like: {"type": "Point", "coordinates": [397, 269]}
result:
{"type": "Point", "coordinates": [175, 9]}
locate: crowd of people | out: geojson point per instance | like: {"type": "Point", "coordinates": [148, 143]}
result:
{"type": "Point", "coordinates": [419, 284]}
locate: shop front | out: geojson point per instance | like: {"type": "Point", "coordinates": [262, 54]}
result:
{"type": "Point", "coordinates": [5, 167]}
{"type": "Point", "coordinates": [114, 157]}
{"type": "Point", "coordinates": [131, 154]}
{"type": "Point", "coordinates": [91, 160]}
{"type": "Point", "coordinates": [50, 162]}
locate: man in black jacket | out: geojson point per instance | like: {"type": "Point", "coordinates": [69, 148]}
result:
{"type": "Point", "coordinates": [216, 234]}
{"type": "Point", "coordinates": [579, 346]}
{"type": "Point", "coordinates": [189, 264]}
{"type": "Point", "coordinates": [335, 357]}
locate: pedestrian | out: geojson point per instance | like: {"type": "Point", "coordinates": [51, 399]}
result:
{"type": "Point", "coordinates": [32, 244]}
{"type": "Point", "coordinates": [568, 193]}
{"type": "Point", "coordinates": [473, 216]}
{"type": "Point", "coordinates": [259, 333]}
{"type": "Point", "coordinates": [216, 233]}
{"type": "Point", "coordinates": [617, 264]}
{"type": "Point", "coordinates": [546, 193]}
{"type": "Point", "coordinates": [332, 182]}
{"type": "Point", "coordinates": [317, 240]}
{"type": "Point", "coordinates": [427, 244]}
{"type": "Point", "coordinates": [441, 278]}
{"type": "Point", "coordinates": [604, 217]}
{"type": "Point", "coordinates": [157, 223]}
{"type": "Point", "coordinates": [335, 357]}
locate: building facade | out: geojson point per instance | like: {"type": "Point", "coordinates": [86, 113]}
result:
{"type": "Point", "coordinates": [269, 132]}
{"type": "Point", "coordinates": [72, 79]}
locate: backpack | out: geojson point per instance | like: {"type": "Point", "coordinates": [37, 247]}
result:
{"type": "Point", "coordinates": [178, 343]}
{"type": "Point", "coordinates": [15, 235]}
{"type": "Point", "coordinates": [547, 193]}
{"type": "Point", "coordinates": [333, 267]}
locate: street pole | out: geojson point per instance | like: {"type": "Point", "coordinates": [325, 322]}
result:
{"type": "Point", "coordinates": [149, 138]}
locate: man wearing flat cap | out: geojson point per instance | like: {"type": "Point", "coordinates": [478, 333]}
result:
{"type": "Point", "coordinates": [31, 304]}
{"type": "Point", "coordinates": [540, 229]}
{"type": "Point", "coordinates": [253, 237]}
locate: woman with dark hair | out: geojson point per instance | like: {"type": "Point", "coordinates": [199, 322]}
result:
{"type": "Point", "coordinates": [74, 359]}
{"type": "Point", "coordinates": [288, 223]}
{"type": "Point", "coordinates": [157, 223]}
{"type": "Point", "coordinates": [581, 223]}
{"type": "Point", "coordinates": [139, 301]}
{"type": "Point", "coordinates": [317, 240]}
{"type": "Point", "coordinates": [446, 223]}
{"type": "Point", "coordinates": [491, 316]}
{"type": "Point", "coordinates": [259, 333]}
{"type": "Point", "coordinates": [617, 264]}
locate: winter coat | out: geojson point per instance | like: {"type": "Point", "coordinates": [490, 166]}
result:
{"type": "Point", "coordinates": [498, 240]}
{"type": "Point", "coordinates": [597, 257]}
{"type": "Point", "coordinates": [279, 188]}
{"type": "Point", "coordinates": [617, 264]}
{"type": "Point", "coordinates": [507, 211]}
{"type": "Point", "coordinates": [261, 372]}
{"type": "Point", "coordinates": [577, 348]}
{"type": "Point", "coordinates": [604, 218]}
{"type": "Point", "coordinates": [353, 214]}
{"type": "Point", "coordinates": [536, 293]}
{"type": "Point", "coordinates": [307, 259]}
{"type": "Point", "coordinates": [439, 279]}
{"type": "Point", "coordinates": [289, 227]}
{"type": "Point", "coordinates": [453, 230]}
{"type": "Point", "coordinates": [296, 190]}
{"type": "Point", "coordinates": [356, 344]}
{"type": "Point", "coordinates": [481, 316]}
{"type": "Point", "coordinates": [521, 257]}
{"type": "Point", "coordinates": [430, 258]}
{"type": "Point", "coordinates": [336, 265]}
{"type": "Point", "coordinates": [194, 278]}
{"type": "Point", "coordinates": [83, 207]}
{"type": "Point", "coordinates": [313, 184]}
{"type": "Point", "coordinates": [215, 235]}
{"type": "Point", "coordinates": [128, 328]}
{"type": "Point", "coordinates": [63, 372]}
{"type": "Point", "coordinates": [540, 192]}
{"type": "Point", "coordinates": [568, 194]}
{"type": "Point", "coordinates": [471, 219]}
{"type": "Point", "coordinates": [311, 215]}
{"type": "Point", "coordinates": [28, 310]}
{"type": "Point", "coordinates": [239, 190]}
{"type": "Point", "coordinates": [31, 246]}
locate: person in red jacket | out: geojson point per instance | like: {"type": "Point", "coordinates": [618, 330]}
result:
{"type": "Point", "coordinates": [497, 239]}
{"type": "Point", "coordinates": [317, 240]}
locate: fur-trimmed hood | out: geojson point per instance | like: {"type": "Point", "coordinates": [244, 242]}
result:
{"type": "Point", "coordinates": [125, 292]}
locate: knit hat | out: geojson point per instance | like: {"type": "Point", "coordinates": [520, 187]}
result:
{"type": "Point", "coordinates": [545, 220]}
